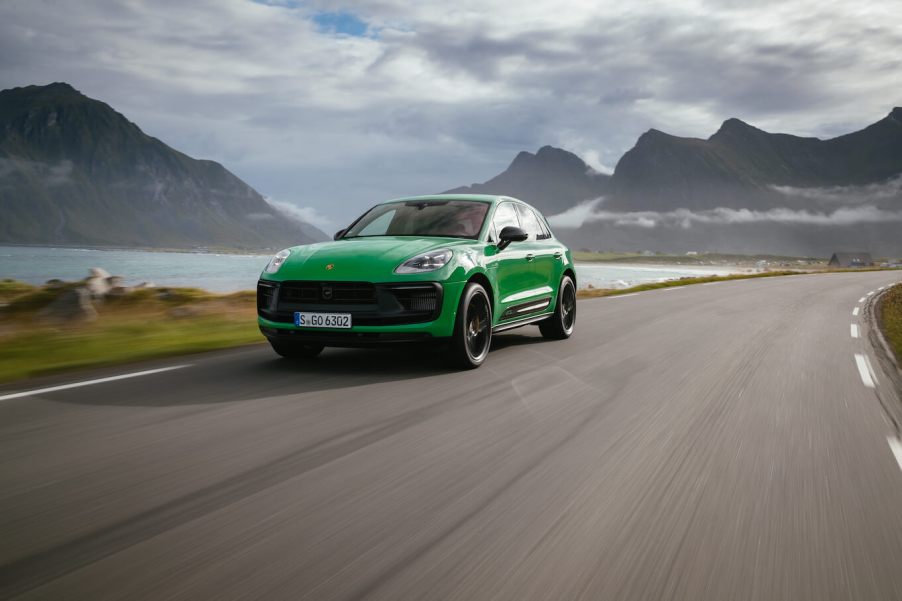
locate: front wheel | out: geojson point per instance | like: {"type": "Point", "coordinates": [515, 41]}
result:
{"type": "Point", "coordinates": [296, 350]}
{"type": "Point", "coordinates": [473, 328]}
{"type": "Point", "coordinates": [561, 323]}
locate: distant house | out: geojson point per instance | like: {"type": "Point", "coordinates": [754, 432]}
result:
{"type": "Point", "coordinates": [851, 260]}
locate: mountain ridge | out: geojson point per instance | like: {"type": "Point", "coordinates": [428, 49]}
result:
{"type": "Point", "coordinates": [528, 175]}
{"type": "Point", "coordinates": [742, 189]}
{"type": "Point", "coordinates": [73, 170]}
{"type": "Point", "coordinates": [664, 171]}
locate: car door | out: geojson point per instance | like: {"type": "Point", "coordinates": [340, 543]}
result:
{"type": "Point", "coordinates": [513, 272]}
{"type": "Point", "coordinates": [539, 252]}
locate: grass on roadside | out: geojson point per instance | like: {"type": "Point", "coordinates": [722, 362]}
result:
{"type": "Point", "coordinates": [890, 314]}
{"type": "Point", "coordinates": [699, 259]}
{"type": "Point", "coordinates": [145, 324]}
{"type": "Point", "coordinates": [597, 292]}
{"type": "Point", "coordinates": [10, 289]}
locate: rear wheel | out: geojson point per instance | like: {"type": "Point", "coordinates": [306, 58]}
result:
{"type": "Point", "coordinates": [472, 336]}
{"type": "Point", "coordinates": [296, 350]}
{"type": "Point", "coordinates": [562, 322]}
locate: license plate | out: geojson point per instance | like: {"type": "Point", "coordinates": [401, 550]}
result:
{"type": "Point", "coordinates": [322, 320]}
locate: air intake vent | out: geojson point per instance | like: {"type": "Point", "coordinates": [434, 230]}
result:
{"type": "Point", "coordinates": [417, 299]}
{"type": "Point", "coordinates": [265, 293]}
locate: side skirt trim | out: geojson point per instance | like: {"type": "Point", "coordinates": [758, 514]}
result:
{"type": "Point", "coordinates": [521, 322]}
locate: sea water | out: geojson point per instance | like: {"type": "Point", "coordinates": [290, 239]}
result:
{"type": "Point", "coordinates": [231, 272]}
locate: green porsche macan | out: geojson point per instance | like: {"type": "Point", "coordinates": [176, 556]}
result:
{"type": "Point", "coordinates": [445, 268]}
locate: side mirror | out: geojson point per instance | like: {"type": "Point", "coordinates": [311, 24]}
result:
{"type": "Point", "coordinates": [338, 234]}
{"type": "Point", "coordinates": [511, 234]}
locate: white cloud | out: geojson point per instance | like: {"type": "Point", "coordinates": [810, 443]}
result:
{"type": "Point", "coordinates": [588, 212]}
{"type": "Point", "coordinates": [876, 192]}
{"type": "Point", "coordinates": [305, 214]}
{"type": "Point", "coordinates": [443, 94]}
{"type": "Point", "coordinates": [575, 217]}
{"type": "Point", "coordinates": [50, 174]}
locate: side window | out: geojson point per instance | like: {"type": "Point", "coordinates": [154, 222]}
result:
{"type": "Point", "coordinates": [530, 223]}
{"type": "Point", "coordinates": [546, 233]}
{"type": "Point", "coordinates": [505, 215]}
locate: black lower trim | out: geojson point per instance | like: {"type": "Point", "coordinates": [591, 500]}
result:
{"type": "Point", "coordinates": [524, 309]}
{"type": "Point", "coordinates": [348, 339]}
{"type": "Point", "coordinates": [521, 322]}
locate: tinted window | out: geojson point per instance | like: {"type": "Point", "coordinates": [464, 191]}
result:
{"type": "Point", "coordinates": [449, 218]}
{"type": "Point", "coordinates": [505, 215]}
{"type": "Point", "coordinates": [530, 223]}
{"type": "Point", "coordinates": [546, 233]}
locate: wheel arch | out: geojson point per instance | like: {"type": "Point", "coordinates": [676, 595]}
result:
{"type": "Point", "coordinates": [483, 280]}
{"type": "Point", "coordinates": [572, 273]}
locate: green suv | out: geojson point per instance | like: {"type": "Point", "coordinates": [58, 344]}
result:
{"type": "Point", "coordinates": [445, 268]}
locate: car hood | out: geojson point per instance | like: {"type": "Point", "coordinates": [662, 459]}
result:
{"type": "Point", "coordinates": [352, 259]}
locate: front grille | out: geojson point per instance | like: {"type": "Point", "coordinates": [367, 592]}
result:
{"type": "Point", "coordinates": [327, 292]}
{"type": "Point", "coordinates": [369, 304]}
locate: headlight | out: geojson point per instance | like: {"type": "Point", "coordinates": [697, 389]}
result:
{"type": "Point", "coordinates": [428, 261]}
{"type": "Point", "coordinates": [277, 260]}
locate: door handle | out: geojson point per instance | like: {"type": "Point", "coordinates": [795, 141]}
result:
{"type": "Point", "coordinates": [530, 257]}
{"type": "Point", "coordinates": [558, 255]}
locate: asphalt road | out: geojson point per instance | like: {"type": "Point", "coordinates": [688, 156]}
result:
{"type": "Point", "coordinates": [708, 442]}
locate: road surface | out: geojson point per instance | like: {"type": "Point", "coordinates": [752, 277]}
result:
{"type": "Point", "coordinates": [708, 442]}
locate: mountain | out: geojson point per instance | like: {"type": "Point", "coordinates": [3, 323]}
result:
{"type": "Point", "coordinates": [74, 171]}
{"type": "Point", "coordinates": [741, 166]}
{"type": "Point", "coordinates": [742, 190]}
{"type": "Point", "coordinates": [553, 180]}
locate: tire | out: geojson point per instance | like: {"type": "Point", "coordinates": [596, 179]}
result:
{"type": "Point", "coordinates": [296, 350]}
{"type": "Point", "coordinates": [563, 321]}
{"type": "Point", "coordinates": [472, 337]}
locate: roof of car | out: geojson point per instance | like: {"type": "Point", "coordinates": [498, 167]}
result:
{"type": "Point", "coordinates": [472, 197]}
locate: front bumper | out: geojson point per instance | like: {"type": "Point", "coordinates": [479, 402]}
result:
{"type": "Point", "coordinates": [382, 313]}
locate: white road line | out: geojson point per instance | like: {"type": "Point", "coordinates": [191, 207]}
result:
{"type": "Point", "coordinates": [854, 330]}
{"type": "Point", "coordinates": [136, 374]}
{"type": "Point", "coordinates": [624, 295]}
{"type": "Point", "coordinates": [865, 371]}
{"type": "Point", "coordinates": [855, 311]}
{"type": "Point", "coordinates": [895, 445]}
{"type": "Point", "coordinates": [710, 283]}
{"type": "Point", "coordinates": [862, 299]}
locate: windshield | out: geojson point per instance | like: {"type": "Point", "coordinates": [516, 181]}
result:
{"type": "Point", "coordinates": [447, 218]}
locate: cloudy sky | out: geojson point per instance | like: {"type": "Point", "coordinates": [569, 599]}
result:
{"type": "Point", "coordinates": [332, 106]}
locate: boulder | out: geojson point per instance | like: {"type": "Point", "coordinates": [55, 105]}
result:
{"type": "Point", "coordinates": [99, 272]}
{"type": "Point", "coordinates": [71, 305]}
{"type": "Point", "coordinates": [98, 286]}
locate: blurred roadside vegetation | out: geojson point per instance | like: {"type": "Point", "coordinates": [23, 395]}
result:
{"type": "Point", "coordinates": [591, 292]}
{"type": "Point", "coordinates": [138, 324]}
{"type": "Point", "coordinates": [698, 259]}
{"type": "Point", "coordinates": [890, 315]}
